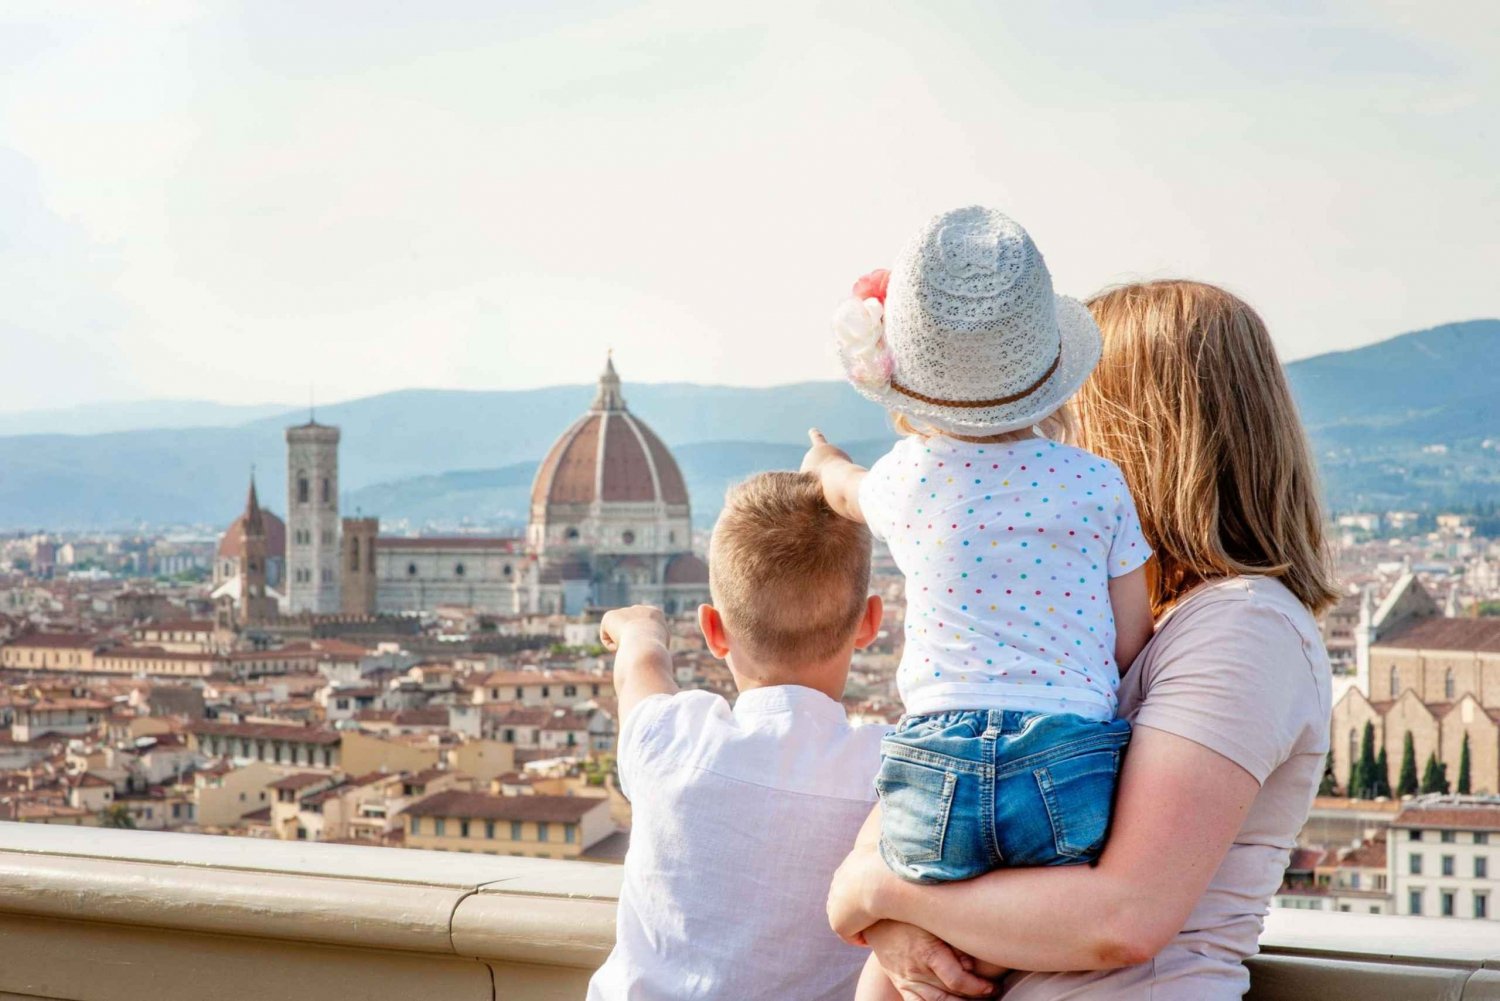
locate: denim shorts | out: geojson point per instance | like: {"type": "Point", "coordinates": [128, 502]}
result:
{"type": "Point", "coordinates": [962, 793]}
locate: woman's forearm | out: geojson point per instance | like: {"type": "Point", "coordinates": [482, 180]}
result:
{"type": "Point", "coordinates": [1030, 919]}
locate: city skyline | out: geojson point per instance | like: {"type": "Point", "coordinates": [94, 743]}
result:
{"type": "Point", "coordinates": [300, 196]}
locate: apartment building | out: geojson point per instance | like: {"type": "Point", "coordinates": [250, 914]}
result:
{"type": "Point", "coordinates": [559, 827]}
{"type": "Point", "coordinates": [1445, 857]}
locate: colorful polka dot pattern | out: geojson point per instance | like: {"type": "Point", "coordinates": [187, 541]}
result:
{"type": "Point", "coordinates": [1007, 550]}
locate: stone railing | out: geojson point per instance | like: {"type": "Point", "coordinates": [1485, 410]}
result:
{"type": "Point", "coordinates": [98, 915]}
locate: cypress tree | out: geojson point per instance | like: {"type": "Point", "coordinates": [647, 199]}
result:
{"type": "Point", "coordinates": [1330, 784]}
{"type": "Point", "coordinates": [1433, 777]}
{"type": "Point", "coordinates": [1382, 784]}
{"type": "Point", "coordinates": [1463, 768]}
{"type": "Point", "coordinates": [1362, 785]}
{"type": "Point", "coordinates": [1406, 785]}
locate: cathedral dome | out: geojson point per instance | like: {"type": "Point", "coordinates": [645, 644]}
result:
{"type": "Point", "coordinates": [232, 542]}
{"type": "Point", "coordinates": [607, 456]}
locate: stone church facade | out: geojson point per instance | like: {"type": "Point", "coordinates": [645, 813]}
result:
{"type": "Point", "coordinates": [1436, 678]}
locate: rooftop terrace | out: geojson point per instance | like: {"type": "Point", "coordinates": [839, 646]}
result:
{"type": "Point", "coordinates": [99, 915]}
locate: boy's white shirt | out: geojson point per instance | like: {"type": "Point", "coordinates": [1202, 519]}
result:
{"type": "Point", "coordinates": [740, 817]}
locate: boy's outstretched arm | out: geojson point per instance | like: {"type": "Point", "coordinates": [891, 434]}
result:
{"type": "Point", "coordinates": [638, 637]}
{"type": "Point", "coordinates": [838, 474]}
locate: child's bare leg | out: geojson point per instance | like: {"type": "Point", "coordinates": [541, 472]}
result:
{"type": "Point", "coordinates": [874, 985]}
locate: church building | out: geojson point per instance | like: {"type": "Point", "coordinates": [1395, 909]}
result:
{"type": "Point", "coordinates": [609, 524]}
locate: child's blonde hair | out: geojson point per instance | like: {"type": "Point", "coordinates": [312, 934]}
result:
{"type": "Point", "coordinates": [789, 576]}
{"type": "Point", "coordinates": [1190, 401]}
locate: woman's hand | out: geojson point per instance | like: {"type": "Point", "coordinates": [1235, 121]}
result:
{"type": "Point", "coordinates": [851, 897]}
{"type": "Point", "coordinates": [922, 967]}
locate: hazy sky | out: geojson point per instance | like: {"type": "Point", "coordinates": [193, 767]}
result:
{"type": "Point", "coordinates": [235, 201]}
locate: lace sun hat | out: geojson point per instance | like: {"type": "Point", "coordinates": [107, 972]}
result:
{"type": "Point", "coordinates": [965, 333]}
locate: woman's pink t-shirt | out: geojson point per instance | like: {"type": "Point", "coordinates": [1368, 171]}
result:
{"type": "Point", "coordinates": [1239, 667]}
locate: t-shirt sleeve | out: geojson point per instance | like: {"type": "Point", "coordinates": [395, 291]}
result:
{"type": "Point", "coordinates": [1232, 675]}
{"type": "Point", "coordinates": [660, 732]}
{"type": "Point", "coordinates": [879, 493]}
{"type": "Point", "coordinates": [1128, 549]}
{"type": "Point", "coordinates": [633, 756]}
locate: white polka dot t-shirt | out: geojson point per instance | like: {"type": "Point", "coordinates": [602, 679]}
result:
{"type": "Point", "coordinates": [1008, 550]}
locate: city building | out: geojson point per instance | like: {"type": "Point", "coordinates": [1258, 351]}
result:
{"type": "Point", "coordinates": [558, 827]}
{"type": "Point", "coordinates": [312, 470]}
{"type": "Point", "coordinates": [1436, 678]}
{"type": "Point", "coordinates": [1445, 857]}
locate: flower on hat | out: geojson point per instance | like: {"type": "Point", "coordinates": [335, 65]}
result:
{"type": "Point", "coordinates": [873, 285]}
{"type": "Point", "coordinates": [859, 327]}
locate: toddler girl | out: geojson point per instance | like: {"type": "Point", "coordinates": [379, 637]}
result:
{"type": "Point", "coordinates": [1023, 556]}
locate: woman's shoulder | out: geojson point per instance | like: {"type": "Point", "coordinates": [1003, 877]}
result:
{"type": "Point", "coordinates": [1255, 618]}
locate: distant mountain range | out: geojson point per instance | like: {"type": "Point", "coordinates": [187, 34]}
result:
{"type": "Point", "coordinates": [1410, 422]}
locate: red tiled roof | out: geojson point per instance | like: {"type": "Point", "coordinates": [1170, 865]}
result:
{"type": "Point", "coordinates": [1478, 817]}
{"type": "Point", "coordinates": [56, 641]}
{"type": "Point", "coordinates": [300, 780]}
{"type": "Point", "coordinates": [1478, 635]}
{"type": "Point", "coordinates": [554, 809]}
{"type": "Point", "coordinates": [264, 731]}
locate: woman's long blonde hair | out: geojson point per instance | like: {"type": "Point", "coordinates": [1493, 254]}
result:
{"type": "Point", "coordinates": [1190, 401]}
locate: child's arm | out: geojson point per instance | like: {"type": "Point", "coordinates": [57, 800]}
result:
{"type": "Point", "coordinates": [638, 637]}
{"type": "Point", "coordinates": [838, 474]}
{"type": "Point", "coordinates": [1131, 603]}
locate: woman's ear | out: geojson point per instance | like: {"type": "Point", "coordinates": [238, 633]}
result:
{"type": "Point", "coordinates": [869, 623]}
{"type": "Point", "coordinates": [711, 624]}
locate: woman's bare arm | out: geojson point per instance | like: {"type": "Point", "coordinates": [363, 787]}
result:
{"type": "Point", "coordinates": [1179, 808]}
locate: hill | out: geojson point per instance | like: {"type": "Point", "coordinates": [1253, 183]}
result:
{"type": "Point", "coordinates": [1410, 422]}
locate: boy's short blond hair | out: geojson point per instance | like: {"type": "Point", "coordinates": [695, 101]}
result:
{"type": "Point", "coordinates": [789, 576]}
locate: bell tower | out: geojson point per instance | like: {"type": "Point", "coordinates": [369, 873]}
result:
{"type": "Point", "coordinates": [312, 547]}
{"type": "Point", "coordinates": [257, 607]}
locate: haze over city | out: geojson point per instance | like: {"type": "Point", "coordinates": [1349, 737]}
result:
{"type": "Point", "coordinates": [239, 201]}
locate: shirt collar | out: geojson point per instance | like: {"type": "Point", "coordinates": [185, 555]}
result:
{"type": "Point", "coordinates": [790, 698]}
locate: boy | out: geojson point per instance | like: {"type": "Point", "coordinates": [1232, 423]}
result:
{"type": "Point", "coordinates": [741, 815]}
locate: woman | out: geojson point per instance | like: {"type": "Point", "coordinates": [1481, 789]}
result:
{"type": "Point", "coordinates": [1229, 700]}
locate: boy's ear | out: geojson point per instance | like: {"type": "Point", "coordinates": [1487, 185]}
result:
{"type": "Point", "coordinates": [711, 624]}
{"type": "Point", "coordinates": [869, 623]}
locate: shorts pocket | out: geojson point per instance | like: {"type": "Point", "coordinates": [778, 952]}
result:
{"type": "Point", "coordinates": [1079, 793]}
{"type": "Point", "coordinates": [915, 803]}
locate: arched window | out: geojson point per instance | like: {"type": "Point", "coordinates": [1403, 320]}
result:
{"type": "Point", "coordinates": [304, 488]}
{"type": "Point", "coordinates": [1395, 682]}
{"type": "Point", "coordinates": [411, 569]}
{"type": "Point", "coordinates": [572, 534]}
{"type": "Point", "coordinates": [1448, 685]}
{"type": "Point", "coordinates": [327, 490]}
{"type": "Point", "coordinates": [628, 537]}
{"type": "Point", "coordinates": [354, 556]}
{"type": "Point", "coordinates": [458, 569]}
{"type": "Point", "coordinates": [507, 571]}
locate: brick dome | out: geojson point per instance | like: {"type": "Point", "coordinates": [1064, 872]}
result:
{"type": "Point", "coordinates": [610, 456]}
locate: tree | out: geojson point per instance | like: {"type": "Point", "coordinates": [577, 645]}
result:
{"type": "Point", "coordinates": [1463, 769]}
{"type": "Point", "coordinates": [1382, 783]}
{"type": "Point", "coordinates": [1406, 785]}
{"type": "Point", "coordinates": [1362, 783]}
{"type": "Point", "coordinates": [1434, 776]}
{"type": "Point", "coordinates": [1330, 784]}
{"type": "Point", "coordinates": [117, 816]}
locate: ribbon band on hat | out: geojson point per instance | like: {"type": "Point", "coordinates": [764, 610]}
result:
{"type": "Point", "coordinates": [998, 401]}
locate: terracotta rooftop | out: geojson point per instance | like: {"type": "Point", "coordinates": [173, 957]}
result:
{"type": "Point", "coordinates": [1480, 816]}
{"type": "Point", "coordinates": [1478, 635]}
{"type": "Point", "coordinates": [56, 641]}
{"type": "Point", "coordinates": [551, 809]}
{"type": "Point", "coordinates": [232, 542]}
{"type": "Point", "coordinates": [300, 780]}
{"type": "Point", "coordinates": [265, 731]}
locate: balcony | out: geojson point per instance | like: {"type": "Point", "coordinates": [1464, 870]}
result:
{"type": "Point", "coordinates": [97, 915]}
